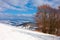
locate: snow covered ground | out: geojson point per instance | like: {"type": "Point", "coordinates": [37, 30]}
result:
{"type": "Point", "coordinates": [8, 32]}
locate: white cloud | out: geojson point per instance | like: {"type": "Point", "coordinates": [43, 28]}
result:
{"type": "Point", "coordinates": [7, 6]}
{"type": "Point", "coordinates": [26, 15]}
{"type": "Point", "coordinates": [1, 9]}
{"type": "Point", "coordinates": [6, 15]}
{"type": "Point", "coordinates": [17, 2]}
{"type": "Point", "coordinates": [12, 4]}
{"type": "Point", "coordinates": [52, 3]}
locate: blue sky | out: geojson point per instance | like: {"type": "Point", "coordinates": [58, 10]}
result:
{"type": "Point", "coordinates": [24, 6]}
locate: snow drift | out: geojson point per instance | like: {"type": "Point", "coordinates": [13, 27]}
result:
{"type": "Point", "coordinates": [8, 32]}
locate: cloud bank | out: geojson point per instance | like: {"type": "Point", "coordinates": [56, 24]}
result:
{"type": "Point", "coordinates": [25, 5]}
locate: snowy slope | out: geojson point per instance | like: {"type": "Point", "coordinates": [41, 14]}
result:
{"type": "Point", "coordinates": [8, 32]}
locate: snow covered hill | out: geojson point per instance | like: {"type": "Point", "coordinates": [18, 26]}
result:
{"type": "Point", "coordinates": [8, 32]}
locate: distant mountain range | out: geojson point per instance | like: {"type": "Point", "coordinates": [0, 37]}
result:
{"type": "Point", "coordinates": [16, 19]}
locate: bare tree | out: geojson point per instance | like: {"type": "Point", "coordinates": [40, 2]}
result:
{"type": "Point", "coordinates": [48, 20]}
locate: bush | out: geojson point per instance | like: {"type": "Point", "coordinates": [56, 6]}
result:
{"type": "Point", "coordinates": [48, 20]}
